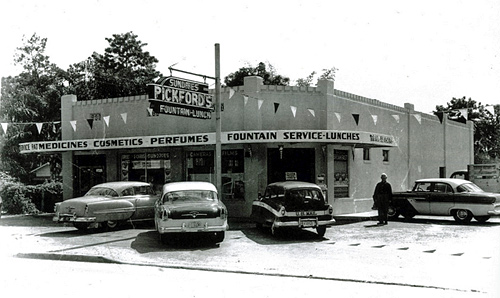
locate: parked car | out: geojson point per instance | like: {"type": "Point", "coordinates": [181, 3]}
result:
{"type": "Point", "coordinates": [293, 204]}
{"type": "Point", "coordinates": [459, 198]}
{"type": "Point", "coordinates": [190, 207]}
{"type": "Point", "coordinates": [108, 204]}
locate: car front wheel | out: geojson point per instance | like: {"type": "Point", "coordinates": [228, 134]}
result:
{"type": "Point", "coordinates": [392, 212]}
{"type": "Point", "coordinates": [462, 215]}
{"type": "Point", "coordinates": [321, 230]}
{"type": "Point", "coordinates": [111, 224]}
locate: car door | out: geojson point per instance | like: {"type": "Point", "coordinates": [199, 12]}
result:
{"type": "Point", "coordinates": [420, 199]}
{"type": "Point", "coordinates": [441, 199]}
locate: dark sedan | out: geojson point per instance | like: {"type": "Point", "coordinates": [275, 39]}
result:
{"type": "Point", "coordinates": [293, 204]}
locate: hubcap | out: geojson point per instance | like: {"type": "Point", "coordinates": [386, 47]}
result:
{"type": "Point", "coordinates": [462, 214]}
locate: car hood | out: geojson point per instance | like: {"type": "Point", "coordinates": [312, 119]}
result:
{"type": "Point", "coordinates": [194, 210]}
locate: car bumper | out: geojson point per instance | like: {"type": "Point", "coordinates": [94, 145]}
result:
{"type": "Point", "coordinates": [494, 212]}
{"type": "Point", "coordinates": [186, 226]}
{"type": "Point", "coordinates": [72, 218]}
{"type": "Point", "coordinates": [304, 223]}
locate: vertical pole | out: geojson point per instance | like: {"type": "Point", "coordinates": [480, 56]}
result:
{"type": "Point", "coordinates": [218, 149]}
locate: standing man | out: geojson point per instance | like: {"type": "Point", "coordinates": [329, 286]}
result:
{"type": "Point", "coordinates": [382, 197]}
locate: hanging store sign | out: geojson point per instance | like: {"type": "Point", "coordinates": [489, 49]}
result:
{"type": "Point", "coordinates": [181, 97]}
{"type": "Point", "coordinates": [357, 138]}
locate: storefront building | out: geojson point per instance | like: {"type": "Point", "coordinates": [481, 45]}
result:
{"type": "Point", "coordinates": [338, 140]}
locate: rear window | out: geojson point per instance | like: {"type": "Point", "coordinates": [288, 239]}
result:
{"type": "Point", "coordinates": [469, 187]}
{"type": "Point", "coordinates": [189, 196]}
{"type": "Point", "coordinates": [301, 195]}
{"type": "Point", "coordinates": [102, 191]}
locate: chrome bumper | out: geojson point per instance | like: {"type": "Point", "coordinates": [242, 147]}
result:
{"type": "Point", "coordinates": [72, 218]}
{"type": "Point", "coordinates": [298, 224]}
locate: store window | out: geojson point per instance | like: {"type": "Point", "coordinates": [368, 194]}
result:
{"type": "Point", "coordinates": [385, 155]}
{"type": "Point", "coordinates": [366, 154]}
{"type": "Point", "coordinates": [154, 168]}
{"type": "Point", "coordinates": [200, 167]}
{"type": "Point", "coordinates": [341, 184]}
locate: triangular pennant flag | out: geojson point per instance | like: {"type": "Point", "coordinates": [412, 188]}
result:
{"type": "Point", "coordinates": [276, 106]}
{"type": "Point", "coordinates": [245, 98]}
{"type": "Point", "coordinates": [356, 118]}
{"type": "Point", "coordinates": [396, 117]}
{"type": "Point", "coordinates": [312, 112]}
{"type": "Point", "coordinates": [150, 112]}
{"type": "Point", "coordinates": [260, 101]}
{"type": "Point", "coordinates": [106, 120]}
{"type": "Point", "coordinates": [294, 110]}
{"type": "Point", "coordinates": [91, 122]}
{"type": "Point", "coordinates": [124, 117]}
{"type": "Point", "coordinates": [418, 117]}
{"type": "Point", "coordinates": [73, 124]}
{"type": "Point", "coordinates": [231, 93]}
{"type": "Point", "coordinates": [375, 118]}
{"type": "Point", "coordinates": [490, 109]}
{"type": "Point", "coordinates": [4, 126]}
{"type": "Point", "coordinates": [464, 113]}
{"type": "Point", "coordinates": [338, 116]}
{"type": "Point", "coordinates": [440, 116]}
{"type": "Point", "coordinates": [39, 127]}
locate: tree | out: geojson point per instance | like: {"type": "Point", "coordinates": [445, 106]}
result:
{"type": "Point", "coordinates": [328, 74]}
{"type": "Point", "coordinates": [124, 69]}
{"type": "Point", "coordinates": [486, 126]}
{"type": "Point", "coordinates": [267, 72]}
{"type": "Point", "coordinates": [31, 97]}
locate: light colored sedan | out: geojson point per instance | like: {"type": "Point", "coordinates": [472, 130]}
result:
{"type": "Point", "coordinates": [108, 204]}
{"type": "Point", "coordinates": [190, 207]}
{"type": "Point", "coordinates": [459, 198]}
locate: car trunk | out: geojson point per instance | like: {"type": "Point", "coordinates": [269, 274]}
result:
{"type": "Point", "coordinates": [190, 211]}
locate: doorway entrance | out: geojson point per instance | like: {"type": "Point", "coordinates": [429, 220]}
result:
{"type": "Point", "coordinates": [89, 170]}
{"type": "Point", "coordinates": [284, 164]}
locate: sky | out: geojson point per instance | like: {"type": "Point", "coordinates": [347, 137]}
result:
{"type": "Point", "coordinates": [420, 52]}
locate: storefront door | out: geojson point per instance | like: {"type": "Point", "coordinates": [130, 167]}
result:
{"type": "Point", "coordinates": [285, 164]}
{"type": "Point", "coordinates": [89, 170]}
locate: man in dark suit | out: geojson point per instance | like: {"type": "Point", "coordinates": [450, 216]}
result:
{"type": "Point", "coordinates": [382, 197]}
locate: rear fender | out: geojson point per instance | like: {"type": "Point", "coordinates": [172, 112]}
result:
{"type": "Point", "coordinates": [111, 210]}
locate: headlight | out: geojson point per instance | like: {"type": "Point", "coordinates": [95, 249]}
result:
{"type": "Point", "coordinates": [86, 209]}
{"type": "Point", "coordinates": [330, 210]}
{"type": "Point", "coordinates": [282, 210]}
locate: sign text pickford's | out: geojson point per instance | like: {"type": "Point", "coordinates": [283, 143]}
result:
{"type": "Point", "coordinates": [180, 97]}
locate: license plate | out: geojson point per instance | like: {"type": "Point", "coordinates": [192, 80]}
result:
{"type": "Point", "coordinates": [193, 225]}
{"type": "Point", "coordinates": [307, 223]}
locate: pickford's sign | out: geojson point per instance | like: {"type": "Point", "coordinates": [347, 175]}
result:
{"type": "Point", "coordinates": [181, 97]}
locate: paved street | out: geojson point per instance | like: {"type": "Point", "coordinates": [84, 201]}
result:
{"type": "Point", "coordinates": [423, 253]}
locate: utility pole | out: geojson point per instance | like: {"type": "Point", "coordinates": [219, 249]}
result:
{"type": "Point", "coordinates": [218, 147]}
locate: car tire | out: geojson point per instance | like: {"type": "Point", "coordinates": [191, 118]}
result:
{"type": "Point", "coordinates": [219, 237]}
{"type": "Point", "coordinates": [111, 224]}
{"type": "Point", "coordinates": [408, 214]}
{"type": "Point", "coordinates": [462, 215]}
{"type": "Point", "coordinates": [321, 230]}
{"type": "Point", "coordinates": [163, 238]}
{"type": "Point", "coordinates": [482, 219]}
{"type": "Point", "coordinates": [81, 226]}
{"type": "Point", "coordinates": [392, 212]}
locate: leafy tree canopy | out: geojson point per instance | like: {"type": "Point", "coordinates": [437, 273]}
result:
{"type": "Point", "coordinates": [328, 74]}
{"type": "Point", "coordinates": [267, 72]}
{"type": "Point", "coordinates": [124, 69]}
{"type": "Point", "coordinates": [486, 126]}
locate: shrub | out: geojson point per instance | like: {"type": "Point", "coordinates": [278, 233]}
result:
{"type": "Point", "coordinates": [28, 199]}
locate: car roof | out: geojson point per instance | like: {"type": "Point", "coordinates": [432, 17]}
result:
{"type": "Point", "coordinates": [121, 185]}
{"type": "Point", "coordinates": [293, 184]}
{"type": "Point", "coordinates": [188, 185]}
{"type": "Point", "coordinates": [452, 181]}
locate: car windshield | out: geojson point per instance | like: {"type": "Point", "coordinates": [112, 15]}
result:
{"type": "Point", "coordinates": [101, 191]}
{"type": "Point", "coordinates": [190, 196]}
{"type": "Point", "coordinates": [469, 187]}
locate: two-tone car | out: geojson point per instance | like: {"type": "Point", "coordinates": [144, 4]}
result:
{"type": "Point", "coordinates": [459, 198]}
{"type": "Point", "coordinates": [293, 204]}
{"type": "Point", "coordinates": [108, 205]}
{"type": "Point", "coordinates": [190, 207]}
